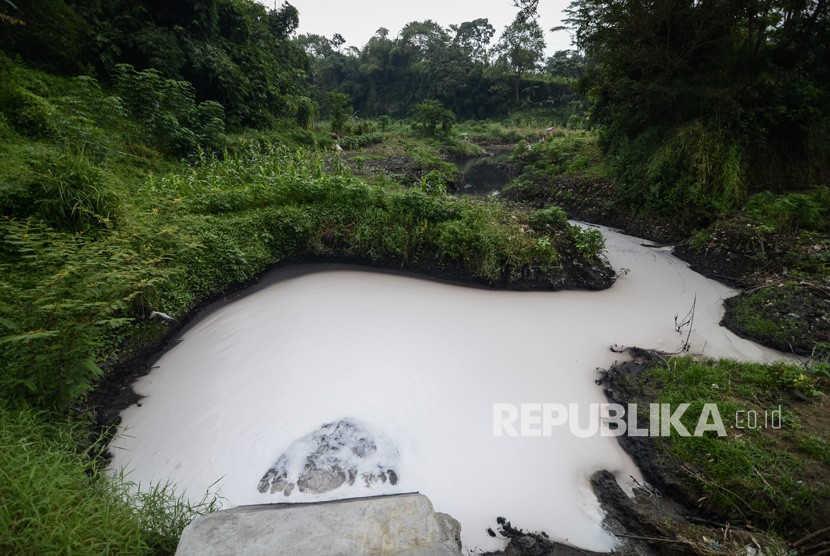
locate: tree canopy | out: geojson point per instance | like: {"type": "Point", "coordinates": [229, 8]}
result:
{"type": "Point", "coordinates": [706, 101]}
{"type": "Point", "coordinates": [235, 52]}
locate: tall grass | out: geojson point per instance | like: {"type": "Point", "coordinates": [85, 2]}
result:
{"type": "Point", "coordinates": [55, 499]}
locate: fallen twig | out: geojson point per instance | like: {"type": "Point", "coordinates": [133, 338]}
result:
{"type": "Point", "coordinates": [811, 536]}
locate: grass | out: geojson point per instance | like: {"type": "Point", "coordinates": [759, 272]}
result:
{"type": "Point", "coordinates": [778, 247]}
{"type": "Point", "coordinates": [486, 132]}
{"type": "Point", "coordinates": [54, 498]}
{"type": "Point", "coordinates": [788, 316]}
{"type": "Point", "coordinates": [769, 478]}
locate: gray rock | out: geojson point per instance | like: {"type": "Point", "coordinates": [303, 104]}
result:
{"type": "Point", "coordinates": [403, 524]}
{"type": "Point", "coordinates": [329, 457]}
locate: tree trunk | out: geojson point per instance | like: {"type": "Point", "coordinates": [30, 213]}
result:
{"type": "Point", "coordinates": [516, 82]}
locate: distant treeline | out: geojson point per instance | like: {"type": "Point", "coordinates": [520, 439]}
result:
{"type": "Point", "coordinates": [235, 52]}
{"type": "Point", "coordinates": [462, 67]}
{"type": "Point", "coordinates": [246, 57]}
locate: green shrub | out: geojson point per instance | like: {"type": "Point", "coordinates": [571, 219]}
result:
{"type": "Point", "coordinates": [693, 173]}
{"type": "Point", "coordinates": [352, 142]}
{"type": "Point", "coordinates": [60, 295]}
{"type": "Point", "coordinates": [549, 217]}
{"type": "Point", "coordinates": [167, 111]}
{"type": "Point", "coordinates": [589, 241]}
{"type": "Point", "coordinates": [430, 116]}
{"type": "Point", "coordinates": [384, 122]}
{"type": "Point", "coordinates": [6, 130]}
{"type": "Point", "coordinates": [69, 191]}
{"type": "Point", "coordinates": [339, 109]}
{"type": "Point", "coordinates": [791, 212]}
{"type": "Point", "coordinates": [30, 114]}
{"type": "Point", "coordinates": [304, 115]}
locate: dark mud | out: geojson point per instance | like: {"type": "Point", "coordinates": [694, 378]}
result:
{"type": "Point", "coordinates": [593, 199]}
{"type": "Point", "coordinates": [790, 316]}
{"type": "Point", "coordinates": [528, 543]}
{"type": "Point", "coordinates": [786, 302]}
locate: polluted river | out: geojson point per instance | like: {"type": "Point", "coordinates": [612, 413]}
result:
{"type": "Point", "coordinates": [402, 376]}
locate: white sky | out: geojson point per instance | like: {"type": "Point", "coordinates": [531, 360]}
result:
{"type": "Point", "coordinates": [357, 20]}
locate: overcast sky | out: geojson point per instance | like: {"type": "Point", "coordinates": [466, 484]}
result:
{"type": "Point", "coordinates": [357, 20]}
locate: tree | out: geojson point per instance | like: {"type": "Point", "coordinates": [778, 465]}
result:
{"type": "Point", "coordinates": [340, 110]}
{"type": "Point", "coordinates": [521, 47]}
{"type": "Point", "coordinates": [377, 70]}
{"type": "Point", "coordinates": [283, 22]}
{"type": "Point", "coordinates": [316, 46]}
{"type": "Point", "coordinates": [421, 38]}
{"type": "Point", "coordinates": [53, 37]}
{"type": "Point", "coordinates": [473, 37]}
{"type": "Point", "coordinates": [528, 10]}
{"type": "Point", "coordinates": [566, 63]}
{"type": "Point", "coordinates": [431, 115]}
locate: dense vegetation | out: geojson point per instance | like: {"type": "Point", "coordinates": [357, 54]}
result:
{"type": "Point", "coordinates": [235, 52]}
{"type": "Point", "coordinates": [712, 101]}
{"type": "Point", "coordinates": [156, 154]}
{"type": "Point", "coordinates": [462, 67]}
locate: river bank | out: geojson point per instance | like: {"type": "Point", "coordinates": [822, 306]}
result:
{"type": "Point", "coordinates": [768, 473]}
{"type": "Point", "coordinates": [776, 247]}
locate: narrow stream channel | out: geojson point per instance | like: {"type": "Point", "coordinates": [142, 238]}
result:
{"type": "Point", "coordinates": [486, 175]}
{"type": "Point", "coordinates": [419, 365]}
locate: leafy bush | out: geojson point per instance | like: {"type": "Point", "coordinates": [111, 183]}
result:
{"type": "Point", "coordinates": [693, 173]}
{"type": "Point", "coordinates": [305, 111]}
{"type": "Point", "coordinates": [30, 114]}
{"type": "Point", "coordinates": [493, 132]}
{"type": "Point", "coordinates": [339, 109]}
{"type": "Point", "coordinates": [60, 295]}
{"type": "Point", "coordinates": [168, 113]}
{"type": "Point", "coordinates": [589, 241]}
{"type": "Point", "coordinates": [65, 189]}
{"type": "Point", "coordinates": [791, 212]}
{"type": "Point", "coordinates": [352, 142]}
{"type": "Point", "coordinates": [561, 152]}
{"type": "Point", "coordinates": [384, 122]}
{"type": "Point", "coordinates": [549, 217]}
{"type": "Point", "coordinates": [431, 116]}
{"type": "Point", "coordinates": [70, 191]}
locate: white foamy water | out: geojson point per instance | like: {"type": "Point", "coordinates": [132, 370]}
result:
{"type": "Point", "coordinates": [421, 363]}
